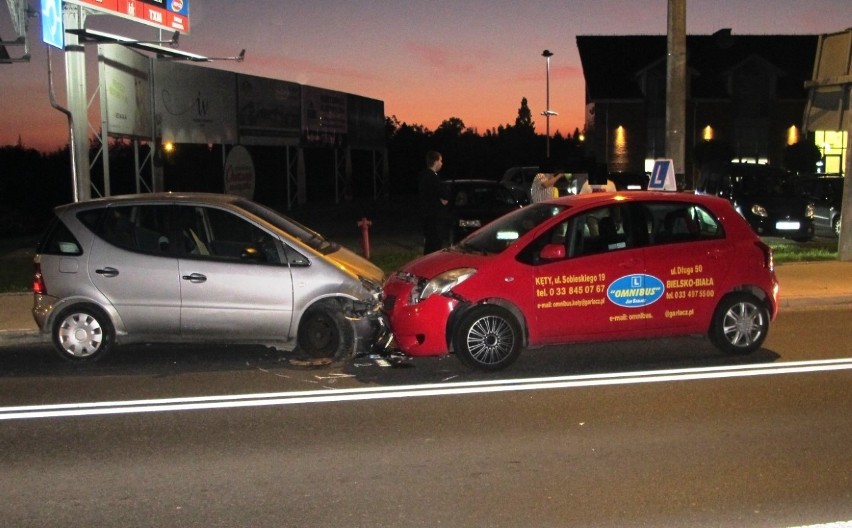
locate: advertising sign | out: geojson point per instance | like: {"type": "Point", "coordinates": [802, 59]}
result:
{"type": "Point", "coordinates": [323, 115]}
{"type": "Point", "coordinates": [126, 81]}
{"type": "Point", "coordinates": [194, 104]}
{"type": "Point", "coordinates": [270, 111]}
{"type": "Point", "coordinates": [239, 173]}
{"type": "Point", "coordinates": [171, 15]}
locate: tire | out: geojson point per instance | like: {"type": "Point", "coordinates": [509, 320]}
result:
{"type": "Point", "coordinates": [324, 332]}
{"type": "Point", "coordinates": [835, 226]}
{"type": "Point", "coordinates": [488, 338]}
{"type": "Point", "coordinates": [82, 334]}
{"type": "Point", "coordinates": [740, 324]}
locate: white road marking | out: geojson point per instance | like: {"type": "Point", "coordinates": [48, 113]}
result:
{"type": "Point", "coordinates": [414, 391]}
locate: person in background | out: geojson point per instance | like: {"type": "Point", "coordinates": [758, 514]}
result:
{"type": "Point", "coordinates": [544, 184]}
{"type": "Point", "coordinates": [433, 203]}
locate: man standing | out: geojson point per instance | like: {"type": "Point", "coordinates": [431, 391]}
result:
{"type": "Point", "coordinates": [544, 184]}
{"type": "Point", "coordinates": [432, 203]}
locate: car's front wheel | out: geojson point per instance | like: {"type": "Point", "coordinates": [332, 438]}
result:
{"type": "Point", "coordinates": [324, 332]}
{"type": "Point", "coordinates": [835, 225]}
{"type": "Point", "coordinates": [82, 333]}
{"type": "Point", "coordinates": [488, 338]}
{"type": "Point", "coordinates": [740, 324]}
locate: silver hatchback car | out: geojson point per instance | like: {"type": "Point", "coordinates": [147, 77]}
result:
{"type": "Point", "coordinates": [194, 267]}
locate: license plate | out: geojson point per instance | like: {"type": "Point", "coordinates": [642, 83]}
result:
{"type": "Point", "coordinates": [787, 226]}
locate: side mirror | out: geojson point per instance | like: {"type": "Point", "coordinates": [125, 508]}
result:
{"type": "Point", "coordinates": [553, 252]}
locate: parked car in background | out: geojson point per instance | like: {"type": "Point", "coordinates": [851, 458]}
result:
{"type": "Point", "coordinates": [766, 196]}
{"type": "Point", "coordinates": [474, 203]}
{"type": "Point", "coordinates": [826, 194]}
{"type": "Point", "coordinates": [594, 267]}
{"type": "Point", "coordinates": [519, 181]}
{"type": "Point", "coordinates": [197, 267]}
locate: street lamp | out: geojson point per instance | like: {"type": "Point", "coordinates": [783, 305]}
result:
{"type": "Point", "coordinates": [548, 112]}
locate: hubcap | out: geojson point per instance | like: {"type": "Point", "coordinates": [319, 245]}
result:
{"type": "Point", "coordinates": [490, 340]}
{"type": "Point", "coordinates": [80, 335]}
{"type": "Point", "coordinates": [743, 324]}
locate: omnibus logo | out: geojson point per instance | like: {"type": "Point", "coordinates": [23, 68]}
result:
{"type": "Point", "coordinates": [635, 291]}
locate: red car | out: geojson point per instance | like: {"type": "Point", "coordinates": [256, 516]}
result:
{"type": "Point", "coordinates": [594, 267]}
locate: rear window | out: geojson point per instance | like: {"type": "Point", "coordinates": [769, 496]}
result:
{"type": "Point", "coordinates": [58, 240]}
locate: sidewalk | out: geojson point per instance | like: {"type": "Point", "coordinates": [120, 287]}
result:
{"type": "Point", "coordinates": [804, 285]}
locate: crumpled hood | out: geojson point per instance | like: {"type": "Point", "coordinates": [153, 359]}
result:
{"type": "Point", "coordinates": [356, 265]}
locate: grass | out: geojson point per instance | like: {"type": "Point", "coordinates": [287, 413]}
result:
{"type": "Point", "coordinates": [16, 257]}
{"type": "Point", "coordinates": [814, 250]}
{"type": "Point", "coordinates": [16, 264]}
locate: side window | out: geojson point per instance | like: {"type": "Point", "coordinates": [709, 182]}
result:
{"type": "Point", "coordinates": [58, 240]}
{"type": "Point", "coordinates": [294, 258]}
{"type": "Point", "coordinates": [599, 231]}
{"type": "Point", "coordinates": [151, 228]}
{"type": "Point", "coordinates": [222, 234]}
{"type": "Point", "coordinates": [602, 230]}
{"type": "Point", "coordinates": [682, 222]}
{"type": "Point", "coordinates": [117, 228]}
{"type": "Point", "coordinates": [141, 228]}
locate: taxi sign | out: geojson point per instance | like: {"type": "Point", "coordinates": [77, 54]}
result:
{"type": "Point", "coordinates": [663, 177]}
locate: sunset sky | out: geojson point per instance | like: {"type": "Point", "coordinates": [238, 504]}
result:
{"type": "Point", "coordinates": [428, 61]}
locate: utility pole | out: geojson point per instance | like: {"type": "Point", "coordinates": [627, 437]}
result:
{"type": "Point", "coordinates": [676, 85]}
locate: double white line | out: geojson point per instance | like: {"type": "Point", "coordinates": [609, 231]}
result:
{"type": "Point", "coordinates": [415, 391]}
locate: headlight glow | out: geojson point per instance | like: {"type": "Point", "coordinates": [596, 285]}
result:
{"type": "Point", "coordinates": [758, 210]}
{"type": "Point", "coordinates": [809, 211]}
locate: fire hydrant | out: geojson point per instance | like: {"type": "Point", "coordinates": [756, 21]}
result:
{"type": "Point", "coordinates": [365, 224]}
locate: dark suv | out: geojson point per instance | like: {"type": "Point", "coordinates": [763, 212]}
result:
{"type": "Point", "coordinates": [766, 196]}
{"type": "Point", "coordinates": [826, 193]}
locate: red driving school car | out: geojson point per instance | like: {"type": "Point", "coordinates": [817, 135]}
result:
{"type": "Point", "coordinates": [594, 267]}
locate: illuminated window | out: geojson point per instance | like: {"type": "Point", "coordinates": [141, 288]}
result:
{"type": "Point", "coordinates": [707, 133]}
{"type": "Point", "coordinates": [832, 145]}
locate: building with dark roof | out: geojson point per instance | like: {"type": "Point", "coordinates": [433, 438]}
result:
{"type": "Point", "coordinates": [746, 91]}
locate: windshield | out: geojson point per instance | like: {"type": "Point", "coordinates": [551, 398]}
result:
{"type": "Point", "coordinates": [296, 230]}
{"type": "Point", "coordinates": [506, 230]}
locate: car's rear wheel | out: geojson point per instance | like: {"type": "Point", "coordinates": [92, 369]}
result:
{"type": "Point", "coordinates": [82, 333]}
{"type": "Point", "coordinates": [324, 332]}
{"type": "Point", "coordinates": [835, 225]}
{"type": "Point", "coordinates": [488, 338]}
{"type": "Point", "coordinates": [740, 324]}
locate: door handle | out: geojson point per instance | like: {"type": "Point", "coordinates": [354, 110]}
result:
{"type": "Point", "coordinates": [107, 272]}
{"type": "Point", "coordinates": [195, 277]}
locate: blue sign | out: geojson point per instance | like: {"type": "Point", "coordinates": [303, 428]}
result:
{"type": "Point", "coordinates": [52, 23]}
{"type": "Point", "coordinates": [663, 177]}
{"type": "Point", "coordinates": [635, 291]}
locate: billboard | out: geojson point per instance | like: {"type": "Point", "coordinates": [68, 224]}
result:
{"type": "Point", "coordinates": [171, 15]}
{"type": "Point", "coordinates": [126, 82]}
{"type": "Point", "coordinates": [366, 122]}
{"type": "Point", "coordinates": [269, 111]}
{"type": "Point", "coordinates": [323, 116]}
{"type": "Point", "coordinates": [195, 104]}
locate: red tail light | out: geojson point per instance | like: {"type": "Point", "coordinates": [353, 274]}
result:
{"type": "Point", "coordinates": [768, 259]}
{"type": "Point", "coordinates": [38, 280]}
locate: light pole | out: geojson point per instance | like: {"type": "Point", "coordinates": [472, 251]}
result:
{"type": "Point", "coordinates": [548, 112]}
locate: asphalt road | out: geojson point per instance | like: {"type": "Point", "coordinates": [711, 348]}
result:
{"type": "Point", "coordinates": [569, 436]}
